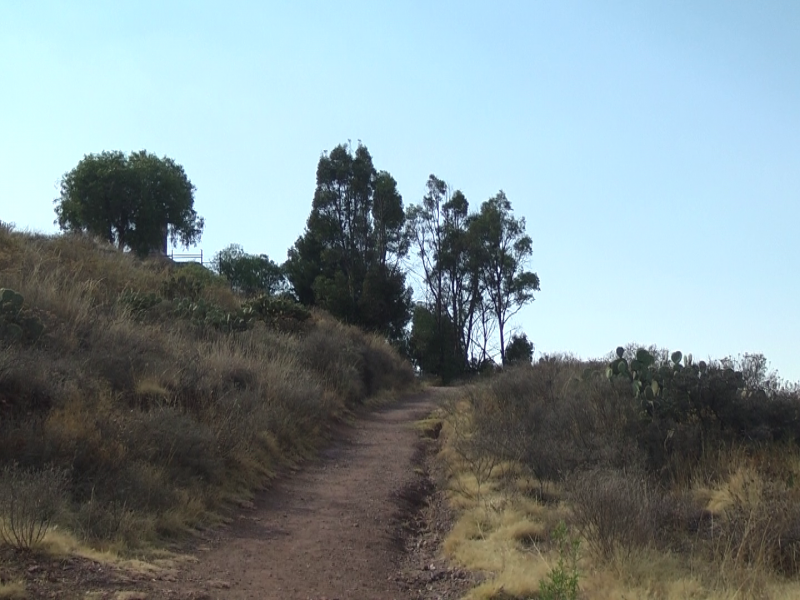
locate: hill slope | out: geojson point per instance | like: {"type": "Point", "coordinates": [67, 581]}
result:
{"type": "Point", "coordinates": [154, 396]}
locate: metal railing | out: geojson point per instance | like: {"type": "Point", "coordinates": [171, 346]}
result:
{"type": "Point", "coordinates": [187, 257]}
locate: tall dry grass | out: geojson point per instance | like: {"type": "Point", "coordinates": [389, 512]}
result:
{"type": "Point", "coordinates": [663, 509]}
{"type": "Point", "coordinates": [161, 423]}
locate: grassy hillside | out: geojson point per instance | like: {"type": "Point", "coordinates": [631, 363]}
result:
{"type": "Point", "coordinates": [153, 398]}
{"type": "Point", "coordinates": [570, 485]}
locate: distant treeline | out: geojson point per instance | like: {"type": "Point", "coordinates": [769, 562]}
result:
{"type": "Point", "coordinates": [355, 257]}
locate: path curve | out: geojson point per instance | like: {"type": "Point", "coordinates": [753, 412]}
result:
{"type": "Point", "coordinates": [327, 531]}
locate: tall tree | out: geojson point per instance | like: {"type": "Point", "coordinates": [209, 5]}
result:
{"type": "Point", "coordinates": [473, 270]}
{"type": "Point", "coordinates": [388, 217]}
{"type": "Point", "coordinates": [425, 224]}
{"type": "Point", "coordinates": [505, 250]}
{"type": "Point", "coordinates": [445, 246]}
{"type": "Point", "coordinates": [140, 202]}
{"type": "Point", "coordinates": [348, 259]}
{"type": "Point", "coordinates": [459, 261]}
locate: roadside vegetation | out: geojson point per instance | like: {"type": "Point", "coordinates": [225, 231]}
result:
{"type": "Point", "coordinates": [645, 475]}
{"type": "Point", "coordinates": [141, 399]}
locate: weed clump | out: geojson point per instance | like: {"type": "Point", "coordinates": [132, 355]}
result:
{"type": "Point", "coordinates": [616, 512]}
{"type": "Point", "coordinates": [30, 502]}
{"type": "Point", "coordinates": [562, 580]}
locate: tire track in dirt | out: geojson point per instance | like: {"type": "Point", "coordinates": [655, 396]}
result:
{"type": "Point", "coordinates": [325, 532]}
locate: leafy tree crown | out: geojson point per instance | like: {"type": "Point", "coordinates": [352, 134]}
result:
{"type": "Point", "coordinates": [140, 202]}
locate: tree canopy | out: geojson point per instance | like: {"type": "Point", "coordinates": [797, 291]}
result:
{"type": "Point", "coordinates": [439, 231]}
{"type": "Point", "coordinates": [430, 344]}
{"type": "Point", "coordinates": [139, 202]}
{"type": "Point", "coordinates": [519, 350]}
{"type": "Point", "coordinates": [504, 248]}
{"type": "Point", "coordinates": [354, 257]}
{"type": "Point", "coordinates": [474, 272]}
{"type": "Point", "coordinates": [249, 274]}
{"type": "Point", "coordinates": [348, 261]}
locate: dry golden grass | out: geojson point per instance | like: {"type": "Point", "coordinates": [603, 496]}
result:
{"type": "Point", "coordinates": [499, 531]}
{"type": "Point", "coordinates": [161, 422]}
{"type": "Point", "coordinates": [507, 538]}
{"type": "Point", "coordinates": [12, 590]}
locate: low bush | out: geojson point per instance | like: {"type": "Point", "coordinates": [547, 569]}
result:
{"type": "Point", "coordinates": [30, 501]}
{"type": "Point", "coordinates": [16, 322]}
{"type": "Point", "coordinates": [183, 285]}
{"type": "Point", "coordinates": [562, 580]}
{"type": "Point", "coordinates": [617, 512]}
{"type": "Point", "coordinates": [279, 312]}
{"type": "Point", "coordinates": [752, 522]}
{"type": "Point", "coordinates": [725, 400]}
{"type": "Point", "coordinates": [551, 420]}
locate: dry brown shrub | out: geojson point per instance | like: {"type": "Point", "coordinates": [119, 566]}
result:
{"type": "Point", "coordinates": [29, 503]}
{"type": "Point", "coordinates": [617, 512]}
{"type": "Point", "coordinates": [329, 350]}
{"type": "Point", "coordinates": [753, 522]}
{"type": "Point", "coordinates": [27, 381]}
{"type": "Point", "coordinates": [384, 369]}
{"type": "Point", "coordinates": [105, 522]}
{"type": "Point", "coordinates": [554, 419]}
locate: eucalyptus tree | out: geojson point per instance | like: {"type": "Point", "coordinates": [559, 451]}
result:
{"type": "Point", "coordinates": [438, 229]}
{"type": "Point", "coordinates": [473, 268]}
{"type": "Point", "coordinates": [505, 249]}
{"type": "Point", "coordinates": [348, 260]}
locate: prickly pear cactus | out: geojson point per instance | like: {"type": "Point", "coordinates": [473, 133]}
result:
{"type": "Point", "coordinates": [10, 303]}
{"type": "Point", "coordinates": [676, 388]}
{"type": "Point", "coordinates": [15, 325]}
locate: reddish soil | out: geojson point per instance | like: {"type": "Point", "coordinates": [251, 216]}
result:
{"type": "Point", "coordinates": [363, 522]}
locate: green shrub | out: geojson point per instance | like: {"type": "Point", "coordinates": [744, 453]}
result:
{"type": "Point", "coordinates": [562, 580]}
{"type": "Point", "coordinates": [199, 273]}
{"type": "Point", "coordinates": [182, 286]}
{"type": "Point", "coordinates": [139, 302]}
{"type": "Point", "coordinates": [685, 405]}
{"type": "Point", "coordinates": [279, 312]}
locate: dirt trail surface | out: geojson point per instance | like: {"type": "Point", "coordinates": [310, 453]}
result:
{"type": "Point", "coordinates": [331, 530]}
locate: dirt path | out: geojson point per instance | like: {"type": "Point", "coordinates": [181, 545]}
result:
{"type": "Point", "coordinates": [363, 521]}
{"type": "Point", "coordinates": [328, 531]}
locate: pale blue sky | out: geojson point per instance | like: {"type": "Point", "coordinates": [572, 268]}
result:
{"type": "Point", "coordinates": [653, 147]}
